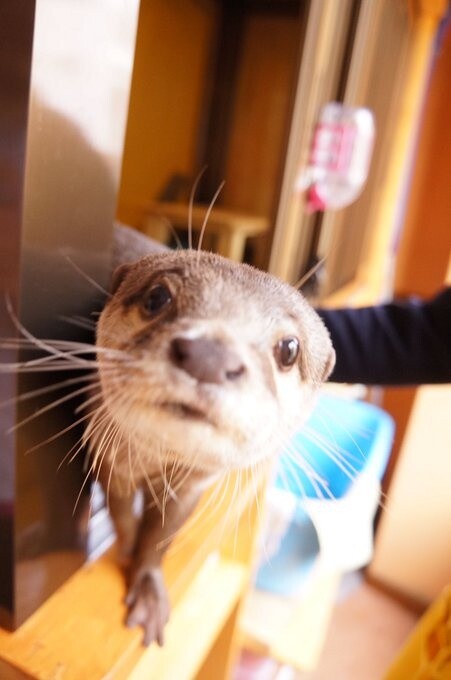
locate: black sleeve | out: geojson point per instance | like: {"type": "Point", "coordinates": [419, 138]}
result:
{"type": "Point", "coordinates": [402, 343]}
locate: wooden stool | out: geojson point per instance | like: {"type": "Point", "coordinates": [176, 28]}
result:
{"type": "Point", "coordinates": [229, 227]}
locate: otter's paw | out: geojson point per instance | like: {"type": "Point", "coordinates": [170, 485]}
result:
{"type": "Point", "coordinates": [148, 604]}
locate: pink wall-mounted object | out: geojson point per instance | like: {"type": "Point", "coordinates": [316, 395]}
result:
{"type": "Point", "coordinates": [339, 158]}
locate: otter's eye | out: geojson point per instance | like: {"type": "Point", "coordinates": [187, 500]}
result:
{"type": "Point", "coordinates": [286, 352]}
{"type": "Point", "coordinates": [158, 297]}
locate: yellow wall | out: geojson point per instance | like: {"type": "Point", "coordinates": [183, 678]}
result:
{"type": "Point", "coordinates": [172, 57]}
{"type": "Point", "coordinates": [413, 550]}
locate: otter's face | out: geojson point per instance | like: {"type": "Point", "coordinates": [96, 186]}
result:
{"type": "Point", "coordinates": [218, 362]}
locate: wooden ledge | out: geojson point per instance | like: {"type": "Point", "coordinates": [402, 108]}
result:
{"type": "Point", "coordinates": [78, 634]}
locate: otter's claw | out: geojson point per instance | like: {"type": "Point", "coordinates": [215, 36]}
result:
{"type": "Point", "coordinates": [148, 604]}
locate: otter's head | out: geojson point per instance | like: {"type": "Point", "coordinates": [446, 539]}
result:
{"type": "Point", "coordinates": [218, 363]}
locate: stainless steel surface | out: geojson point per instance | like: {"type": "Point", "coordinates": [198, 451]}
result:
{"type": "Point", "coordinates": [65, 71]}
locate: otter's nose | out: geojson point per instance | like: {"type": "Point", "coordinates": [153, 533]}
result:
{"type": "Point", "coordinates": [206, 359]}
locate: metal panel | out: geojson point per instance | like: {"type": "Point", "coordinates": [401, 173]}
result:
{"type": "Point", "coordinates": [65, 71]}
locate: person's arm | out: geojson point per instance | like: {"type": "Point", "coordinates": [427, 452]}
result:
{"type": "Point", "coordinates": [402, 343]}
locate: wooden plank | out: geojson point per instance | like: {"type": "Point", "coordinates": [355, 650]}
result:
{"type": "Point", "coordinates": [8, 672]}
{"type": "Point", "coordinates": [223, 654]}
{"type": "Point", "coordinates": [79, 634]}
{"type": "Point", "coordinates": [195, 623]}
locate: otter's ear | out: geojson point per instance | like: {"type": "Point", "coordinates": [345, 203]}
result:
{"type": "Point", "coordinates": [119, 275]}
{"type": "Point", "coordinates": [329, 365]}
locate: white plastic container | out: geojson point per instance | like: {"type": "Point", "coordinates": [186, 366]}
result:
{"type": "Point", "coordinates": [339, 159]}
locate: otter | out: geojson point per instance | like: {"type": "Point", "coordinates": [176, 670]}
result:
{"type": "Point", "coordinates": [204, 366]}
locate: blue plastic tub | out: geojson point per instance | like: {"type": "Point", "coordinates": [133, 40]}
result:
{"type": "Point", "coordinates": [341, 439]}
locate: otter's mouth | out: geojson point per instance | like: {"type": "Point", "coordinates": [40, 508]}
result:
{"type": "Point", "coordinates": [184, 411]}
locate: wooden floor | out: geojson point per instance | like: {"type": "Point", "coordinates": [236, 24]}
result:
{"type": "Point", "coordinates": [366, 632]}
